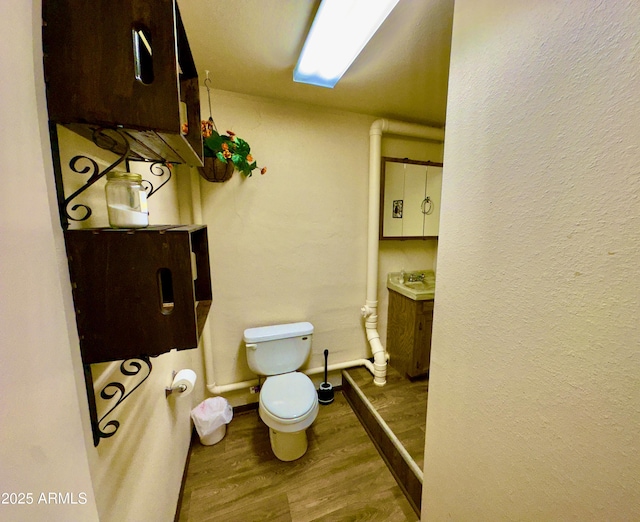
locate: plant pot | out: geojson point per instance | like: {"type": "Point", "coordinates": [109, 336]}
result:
{"type": "Point", "coordinates": [215, 170]}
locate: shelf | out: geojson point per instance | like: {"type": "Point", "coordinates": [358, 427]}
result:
{"type": "Point", "coordinates": [121, 73]}
{"type": "Point", "coordinates": [139, 292]}
{"type": "Point", "coordinates": [93, 81]}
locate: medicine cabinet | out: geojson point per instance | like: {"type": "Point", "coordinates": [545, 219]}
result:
{"type": "Point", "coordinates": [409, 198]}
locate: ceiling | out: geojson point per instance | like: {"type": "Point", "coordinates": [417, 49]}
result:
{"type": "Point", "coordinates": [252, 46]}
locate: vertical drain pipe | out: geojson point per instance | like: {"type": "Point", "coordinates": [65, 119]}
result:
{"type": "Point", "coordinates": [196, 208]}
{"type": "Point", "coordinates": [370, 309]}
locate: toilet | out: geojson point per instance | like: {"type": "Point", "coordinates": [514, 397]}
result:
{"type": "Point", "coordinates": [288, 399]}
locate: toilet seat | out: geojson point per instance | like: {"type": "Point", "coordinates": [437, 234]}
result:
{"type": "Point", "coordinates": [288, 402]}
{"type": "Point", "coordinates": [288, 396]}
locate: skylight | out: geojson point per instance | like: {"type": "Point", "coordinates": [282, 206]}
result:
{"type": "Point", "coordinates": [339, 32]}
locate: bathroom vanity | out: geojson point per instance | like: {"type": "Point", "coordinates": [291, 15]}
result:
{"type": "Point", "coordinates": [410, 317]}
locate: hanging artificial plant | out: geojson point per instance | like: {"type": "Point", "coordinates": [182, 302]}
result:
{"type": "Point", "coordinates": [228, 147]}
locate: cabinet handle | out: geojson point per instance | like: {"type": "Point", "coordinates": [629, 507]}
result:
{"type": "Point", "coordinates": [165, 286]}
{"type": "Point", "coordinates": [142, 54]}
{"type": "Point", "coordinates": [427, 211]}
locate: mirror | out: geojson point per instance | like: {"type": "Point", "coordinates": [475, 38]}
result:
{"type": "Point", "coordinates": [409, 198]}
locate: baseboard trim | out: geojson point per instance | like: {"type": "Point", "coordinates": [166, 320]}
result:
{"type": "Point", "coordinates": [194, 437]}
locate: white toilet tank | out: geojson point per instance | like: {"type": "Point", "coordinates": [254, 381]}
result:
{"type": "Point", "coordinates": [282, 348]}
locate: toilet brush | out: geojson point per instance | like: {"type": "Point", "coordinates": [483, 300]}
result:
{"type": "Point", "coordinates": [325, 392]}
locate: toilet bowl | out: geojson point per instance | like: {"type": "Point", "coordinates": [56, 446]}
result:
{"type": "Point", "coordinates": [288, 402]}
{"type": "Point", "coordinates": [288, 405]}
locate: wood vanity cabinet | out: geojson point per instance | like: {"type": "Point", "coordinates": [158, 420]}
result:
{"type": "Point", "coordinates": [139, 291]}
{"type": "Point", "coordinates": [124, 64]}
{"type": "Point", "coordinates": [409, 334]}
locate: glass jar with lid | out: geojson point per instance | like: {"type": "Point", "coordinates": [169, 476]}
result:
{"type": "Point", "coordinates": [126, 200]}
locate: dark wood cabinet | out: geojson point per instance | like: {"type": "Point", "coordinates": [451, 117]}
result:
{"type": "Point", "coordinates": [139, 292]}
{"type": "Point", "coordinates": [124, 64]}
{"type": "Point", "coordinates": [409, 334]}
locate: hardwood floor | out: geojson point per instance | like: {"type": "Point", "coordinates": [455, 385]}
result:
{"type": "Point", "coordinates": [402, 404]}
{"type": "Point", "coordinates": [341, 477]}
{"type": "Point", "coordinates": [380, 408]}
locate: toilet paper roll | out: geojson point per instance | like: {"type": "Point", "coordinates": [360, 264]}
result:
{"type": "Point", "coordinates": [184, 381]}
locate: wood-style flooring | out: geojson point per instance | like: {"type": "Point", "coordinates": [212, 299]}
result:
{"type": "Point", "coordinates": [401, 403]}
{"type": "Point", "coordinates": [341, 477]}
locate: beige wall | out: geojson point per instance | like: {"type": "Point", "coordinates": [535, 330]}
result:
{"type": "Point", "coordinates": [137, 472]}
{"type": "Point", "coordinates": [42, 416]}
{"type": "Point", "coordinates": [533, 398]}
{"type": "Point", "coordinates": [291, 245]}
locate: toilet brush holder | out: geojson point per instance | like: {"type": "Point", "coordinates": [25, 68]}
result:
{"type": "Point", "coordinates": [325, 392]}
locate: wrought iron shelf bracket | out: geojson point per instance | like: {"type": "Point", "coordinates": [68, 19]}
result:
{"type": "Point", "coordinates": [105, 427]}
{"type": "Point", "coordinates": [112, 140]}
{"type": "Point", "coordinates": [160, 170]}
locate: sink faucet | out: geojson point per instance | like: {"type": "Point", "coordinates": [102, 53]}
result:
{"type": "Point", "coordinates": [413, 278]}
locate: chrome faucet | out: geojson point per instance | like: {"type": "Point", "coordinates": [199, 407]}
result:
{"type": "Point", "coordinates": [413, 278]}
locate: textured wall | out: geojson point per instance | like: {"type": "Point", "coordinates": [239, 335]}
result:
{"type": "Point", "coordinates": [42, 443]}
{"type": "Point", "coordinates": [46, 445]}
{"type": "Point", "coordinates": [533, 406]}
{"type": "Point", "coordinates": [291, 245]}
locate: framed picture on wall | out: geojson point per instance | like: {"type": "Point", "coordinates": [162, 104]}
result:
{"type": "Point", "coordinates": [397, 208]}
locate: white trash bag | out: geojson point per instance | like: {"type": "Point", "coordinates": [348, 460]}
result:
{"type": "Point", "coordinates": [210, 418]}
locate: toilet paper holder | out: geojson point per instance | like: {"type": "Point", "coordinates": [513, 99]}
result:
{"type": "Point", "coordinates": [180, 388]}
{"type": "Point", "coordinates": [181, 382]}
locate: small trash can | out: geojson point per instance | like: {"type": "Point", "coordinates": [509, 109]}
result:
{"type": "Point", "coordinates": [210, 418]}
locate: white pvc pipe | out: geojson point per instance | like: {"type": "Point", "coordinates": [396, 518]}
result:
{"type": "Point", "coordinates": [370, 309]}
{"type": "Point", "coordinates": [216, 390]}
{"type": "Point", "coordinates": [413, 130]}
{"type": "Point", "coordinates": [196, 208]}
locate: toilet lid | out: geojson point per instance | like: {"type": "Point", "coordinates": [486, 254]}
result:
{"type": "Point", "coordinates": [288, 395]}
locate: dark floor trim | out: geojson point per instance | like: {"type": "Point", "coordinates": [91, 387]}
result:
{"type": "Point", "coordinates": [243, 408]}
{"type": "Point", "coordinates": [194, 436]}
{"type": "Point", "coordinates": [408, 480]}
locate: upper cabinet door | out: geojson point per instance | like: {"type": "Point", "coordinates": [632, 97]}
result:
{"type": "Point", "coordinates": [430, 206]}
{"type": "Point", "coordinates": [124, 64]}
{"type": "Point", "coordinates": [410, 198]}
